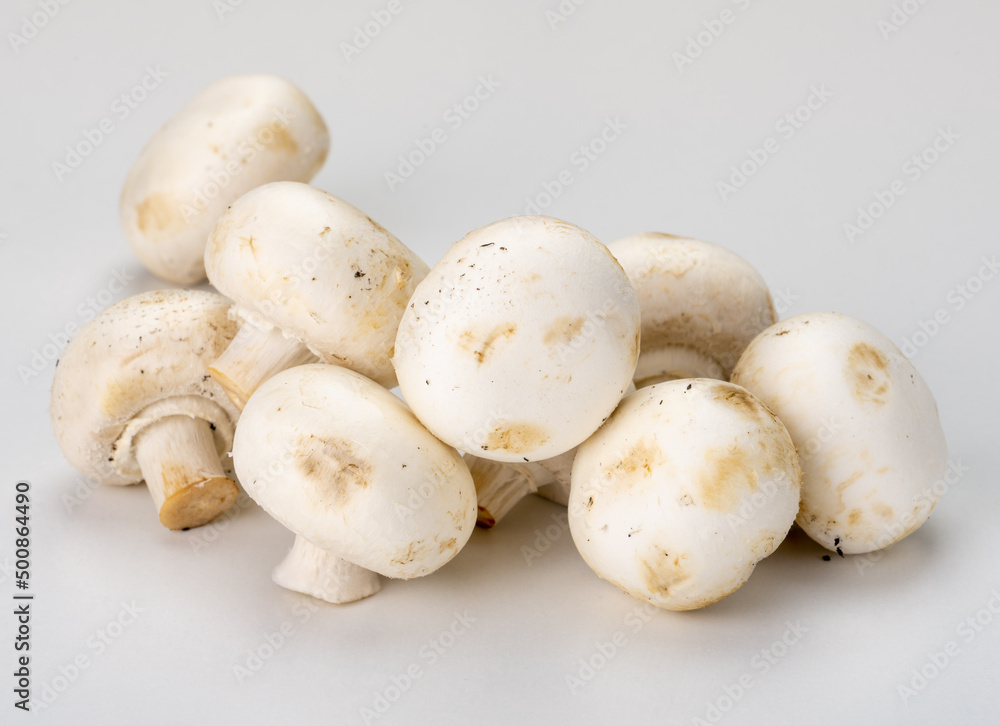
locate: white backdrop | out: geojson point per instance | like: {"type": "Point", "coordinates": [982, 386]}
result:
{"type": "Point", "coordinates": [848, 150]}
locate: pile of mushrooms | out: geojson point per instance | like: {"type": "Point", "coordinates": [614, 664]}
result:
{"type": "Point", "coordinates": [647, 385]}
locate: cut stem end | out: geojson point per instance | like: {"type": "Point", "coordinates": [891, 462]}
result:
{"type": "Point", "coordinates": [181, 466]}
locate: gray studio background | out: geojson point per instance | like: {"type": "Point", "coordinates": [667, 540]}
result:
{"type": "Point", "coordinates": [681, 95]}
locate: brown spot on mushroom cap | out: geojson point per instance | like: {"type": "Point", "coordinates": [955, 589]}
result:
{"type": "Point", "coordinates": [520, 438]}
{"type": "Point", "coordinates": [844, 485]}
{"type": "Point", "coordinates": [156, 212]}
{"type": "Point", "coordinates": [728, 475]}
{"type": "Point", "coordinates": [775, 443]}
{"type": "Point", "coordinates": [640, 458]}
{"type": "Point", "coordinates": [740, 399]}
{"type": "Point", "coordinates": [333, 467]}
{"type": "Point", "coordinates": [482, 346]}
{"type": "Point", "coordinates": [867, 372]}
{"type": "Point", "coordinates": [662, 572]}
{"type": "Point", "coordinates": [448, 544]}
{"type": "Point", "coordinates": [412, 550]}
{"type": "Point", "coordinates": [283, 140]}
{"type": "Point", "coordinates": [564, 329]}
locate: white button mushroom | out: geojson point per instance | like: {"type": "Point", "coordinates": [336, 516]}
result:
{"type": "Point", "coordinates": [131, 400]}
{"type": "Point", "coordinates": [701, 305]}
{"type": "Point", "coordinates": [238, 133]}
{"type": "Point", "coordinates": [685, 488]}
{"type": "Point", "coordinates": [520, 341]}
{"type": "Point", "coordinates": [864, 422]}
{"type": "Point", "coordinates": [345, 465]}
{"type": "Point", "coordinates": [312, 278]}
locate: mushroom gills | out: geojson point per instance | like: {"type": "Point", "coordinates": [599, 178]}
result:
{"type": "Point", "coordinates": [181, 466]}
{"type": "Point", "coordinates": [674, 362]}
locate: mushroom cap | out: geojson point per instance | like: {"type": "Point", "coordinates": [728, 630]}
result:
{"type": "Point", "coordinates": [682, 491]}
{"type": "Point", "coordinates": [342, 462]}
{"type": "Point", "coordinates": [140, 360]}
{"type": "Point", "coordinates": [694, 294]}
{"type": "Point", "coordinates": [319, 269]}
{"type": "Point", "coordinates": [236, 134]}
{"type": "Point", "coordinates": [865, 424]}
{"type": "Point", "coordinates": [520, 341]}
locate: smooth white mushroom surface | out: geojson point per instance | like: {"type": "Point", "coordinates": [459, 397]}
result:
{"type": "Point", "coordinates": [520, 341]}
{"type": "Point", "coordinates": [701, 305]}
{"type": "Point", "coordinates": [132, 400]}
{"type": "Point", "coordinates": [236, 134]}
{"type": "Point", "coordinates": [313, 278]}
{"type": "Point", "coordinates": [865, 424]}
{"type": "Point", "coordinates": [343, 463]}
{"type": "Point", "coordinates": [682, 491]}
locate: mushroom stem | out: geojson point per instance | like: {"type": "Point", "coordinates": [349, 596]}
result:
{"type": "Point", "coordinates": [181, 466]}
{"type": "Point", "coordinates": [499, 486]}
{"type": "Point", "coordinates": [673, 362]}
{"type": "Point", "coordinates": [314, 571]}
{"type": "Point", "coordinates": [255, 355]}
{"type": "Point", "coordinates": [559, 468]}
